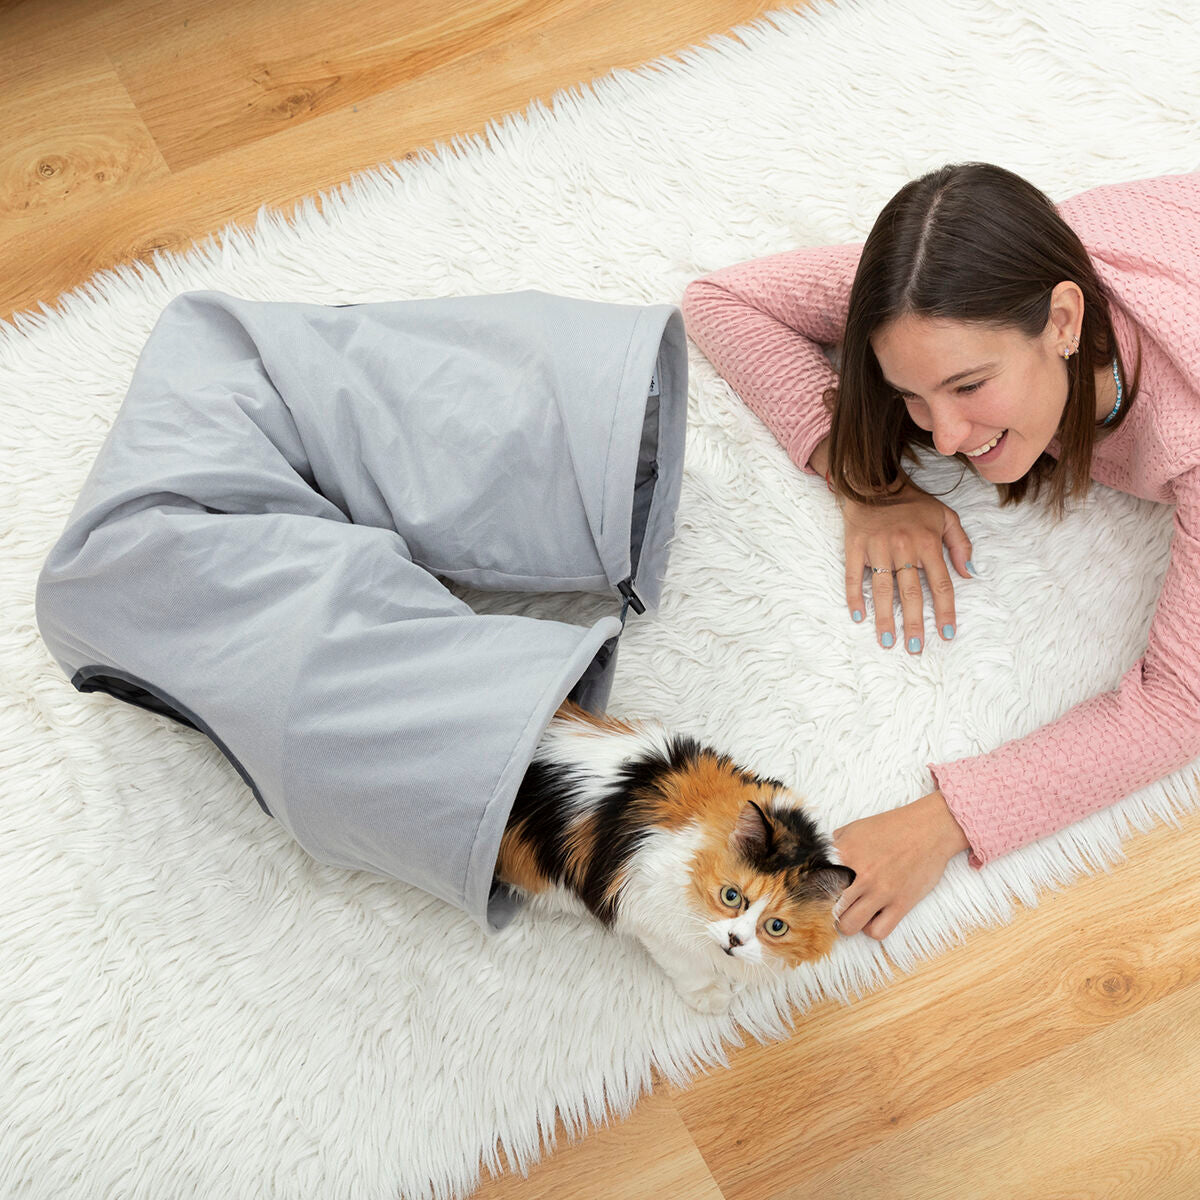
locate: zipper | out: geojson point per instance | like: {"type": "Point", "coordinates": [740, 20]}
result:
{"type": "Point", "coordinates": [631, 599]}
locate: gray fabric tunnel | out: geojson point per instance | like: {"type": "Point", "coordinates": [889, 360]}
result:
{"type": "Point", "coordinates": [260, 546]}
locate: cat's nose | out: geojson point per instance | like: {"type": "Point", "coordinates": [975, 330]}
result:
{"type": "Point", "coordinates": [734, 940]}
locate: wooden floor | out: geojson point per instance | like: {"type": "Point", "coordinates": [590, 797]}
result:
{"type": "Point", "coordinates": [1057, 1057]}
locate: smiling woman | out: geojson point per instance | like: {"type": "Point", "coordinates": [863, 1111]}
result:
{"type": "Point", "coordinates": [970, 272]}
{"type": "Point", "coordinates": [1045, 347]}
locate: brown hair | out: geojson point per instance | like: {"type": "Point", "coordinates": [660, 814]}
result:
{"type": "Point", "coordinates": [969, 242]}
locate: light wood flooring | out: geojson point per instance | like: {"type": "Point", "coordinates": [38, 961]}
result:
{"type": "Point", "coordinates": [1056, 1057]}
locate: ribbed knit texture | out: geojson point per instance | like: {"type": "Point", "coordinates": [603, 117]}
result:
{"type": "Point", "coordinates": [762, 324]}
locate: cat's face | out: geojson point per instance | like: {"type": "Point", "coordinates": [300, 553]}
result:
{"type": "Point", "coordinates": [763, 885]}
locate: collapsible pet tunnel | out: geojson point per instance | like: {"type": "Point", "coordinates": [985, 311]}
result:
{"type": "Point", "coordinates": [256, 550]}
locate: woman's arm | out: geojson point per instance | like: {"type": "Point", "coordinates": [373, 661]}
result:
{"type": "Point", "coordinates": [1107, 747]}
{"type": "Point", "coordinates": [762, 324]}
{"type": "Point", "coordinates": [1096, 754]}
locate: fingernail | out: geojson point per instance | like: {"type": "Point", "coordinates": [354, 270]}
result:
{"type": "Point", "coordinates": [888, 641]}
{"type": "Point", "coordinates": [914, 645]}
{"type": "Point", "coordinates": [947, 632]}
{"type": "Point", "coordinates": [971, 568]}
{"type": "Point", "coordinates": [857, 615]}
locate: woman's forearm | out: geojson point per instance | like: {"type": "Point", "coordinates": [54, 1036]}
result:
{"type": "Point", "coordinates": [944, 829]}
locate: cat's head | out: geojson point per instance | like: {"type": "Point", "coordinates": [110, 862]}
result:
{"type": "Point", "coordinates": [763, 881]}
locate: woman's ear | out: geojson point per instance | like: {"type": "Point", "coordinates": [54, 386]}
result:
{"type": "Point", "coordinates": [1065, 323]}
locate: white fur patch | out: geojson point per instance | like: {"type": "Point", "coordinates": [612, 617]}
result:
{"type": "Point", "coordinates": [745, 927]}
{"type": "Point", "coordinates": [658, 885]}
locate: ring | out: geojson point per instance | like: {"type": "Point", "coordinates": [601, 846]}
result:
{"type": "Point", "coordinates": [881, 570]}
{"type": "Point", "coordinates": [906, 566]}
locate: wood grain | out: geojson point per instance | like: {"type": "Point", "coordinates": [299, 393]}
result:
{"type": "Point", "coordinates": [1110, 1116]}
{"type": "Point", "coordinates": [650, 1154]}
{"type": "Point", "coordinates": [242, 104]}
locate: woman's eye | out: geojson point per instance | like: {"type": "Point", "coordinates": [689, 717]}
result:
{"type": "Point", "coordinates": [731, 897]}
{"type": "Point", "coordinates": [968, 388]}
{"type": "Point", "coordinates": [776, 927]}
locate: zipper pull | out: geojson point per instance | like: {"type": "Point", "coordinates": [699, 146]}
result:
{"type": "Point", "coordinates": [625, 587]}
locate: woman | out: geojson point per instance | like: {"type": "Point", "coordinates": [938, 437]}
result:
{"type": "Point", "coordinates": [1044, 348]}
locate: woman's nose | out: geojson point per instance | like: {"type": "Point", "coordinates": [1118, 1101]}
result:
{"type": "Point", "coordinates": [950, 430]}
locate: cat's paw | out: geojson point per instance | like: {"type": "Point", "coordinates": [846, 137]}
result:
{"type": "Point", "coordinates": [713, 999]}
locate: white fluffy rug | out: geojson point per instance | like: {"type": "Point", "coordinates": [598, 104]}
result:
{"type": "Point", "coordinates": [189, 1006]}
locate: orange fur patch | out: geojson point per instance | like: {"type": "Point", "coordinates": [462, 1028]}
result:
{"type": "Point", "coordinates": [709, 789]}
{"type": "Point", "coordinates": [811, 934]}
{"type": "Point", "coordinates": [578, 847]}
{"type": "Point", "coordinates": [601, 723]}
{"type": "Point", "coordinates": [517, 864]}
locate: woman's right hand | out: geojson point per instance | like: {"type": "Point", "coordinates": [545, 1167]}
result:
{"type": "Point", "coordinates": [904, 537]}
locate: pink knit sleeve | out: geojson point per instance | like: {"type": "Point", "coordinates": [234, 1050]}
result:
{"type": "Point", "coordinates": [1107, 747]}
{"type": "Point", "coordinates": [762, 324]}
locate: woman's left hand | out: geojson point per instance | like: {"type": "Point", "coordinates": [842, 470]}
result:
{"type": "Point", "coordinates": [897, 857]}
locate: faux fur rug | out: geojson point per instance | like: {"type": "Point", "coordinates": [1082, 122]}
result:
{"type": "Point", "coordinates": [189, 1005]}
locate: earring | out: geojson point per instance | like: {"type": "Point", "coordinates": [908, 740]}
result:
{"type": "Point", "coordinates": [1069, 350]}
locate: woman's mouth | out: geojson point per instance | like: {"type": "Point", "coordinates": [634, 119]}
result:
{"type": "Point", "coordinates": [988, 450]}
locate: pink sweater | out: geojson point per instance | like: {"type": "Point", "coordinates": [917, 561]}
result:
{"type": "Point", "coordinates": [761, 324]}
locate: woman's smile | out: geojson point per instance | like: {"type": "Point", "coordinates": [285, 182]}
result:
{"type": "Point", "coordinates": [988, 450]}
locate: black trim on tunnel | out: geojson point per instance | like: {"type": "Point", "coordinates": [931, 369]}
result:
{"type": "Point", "coordinates": [123, 686]}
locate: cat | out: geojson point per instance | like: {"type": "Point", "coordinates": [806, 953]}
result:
{"type": "Point", "coordinates": [718, 872]}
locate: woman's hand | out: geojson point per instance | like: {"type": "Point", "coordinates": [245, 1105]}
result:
{"type": "Point", "coordinates": [901, 536]}
{"type": "Point", "coordinates": [897, 857]}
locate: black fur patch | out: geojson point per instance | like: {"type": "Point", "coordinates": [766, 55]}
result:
{"type": "Point", "coordinates": [799, 853]}
{"type": "Point", "coordinates": [540, 813]}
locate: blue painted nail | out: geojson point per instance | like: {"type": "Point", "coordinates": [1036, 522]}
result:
{"type": "Point", "coordinates": [971, 568]}
{"type": "Point", "coordinates": [914, 645]}
{"type": "Point", "coordinates": [857, 615]}
{"type": "Point", "coordinates": [947, 632]}
{"type": "Point", "coordinates": [888, 641]}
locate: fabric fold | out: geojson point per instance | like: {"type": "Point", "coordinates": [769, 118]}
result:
{"type": "Point", "coordinates": [261, 547]}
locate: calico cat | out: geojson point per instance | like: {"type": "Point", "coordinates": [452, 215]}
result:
{"type": "Point", "coordinates": [718, 872]}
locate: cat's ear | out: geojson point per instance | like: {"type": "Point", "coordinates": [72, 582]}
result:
{"type": "Point", "coordinates": [754, 832]}
{"type": "Point", "coordinates": [831, 879]}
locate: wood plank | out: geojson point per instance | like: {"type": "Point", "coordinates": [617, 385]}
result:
{"type": "Point", "coordinates": [72, 139]}
{"type": "Point", "coordinates": [650, 1154]}
{"type": "Point", "coordinates": [250, 83]}
{"type": "Point", "coordinates": [315, 150]}
{"type": "Point", "coordinates": [1113, 1116]}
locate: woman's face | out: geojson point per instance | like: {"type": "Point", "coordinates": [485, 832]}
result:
{"type": "Point", "coordinates": [991, 393]}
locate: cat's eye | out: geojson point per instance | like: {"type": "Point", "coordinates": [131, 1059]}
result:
{"type": "Point", "coordinates": [731, 897]}
{"type": "Point", "coordinates": [776, 928]}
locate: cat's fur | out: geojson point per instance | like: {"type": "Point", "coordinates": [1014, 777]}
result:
{"type": "Point", "coordinates": [650, 832]}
